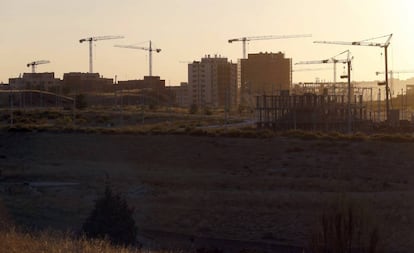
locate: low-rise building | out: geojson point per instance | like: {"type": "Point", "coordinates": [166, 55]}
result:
{"type": "Point", "coordinates": [76, 82]}
{"type": "Point", "coordinates": [149, 82]}
{"type": "Point", "coordinates": [36, 81]}
{"type": "Point", "coordinates": [180, 94]}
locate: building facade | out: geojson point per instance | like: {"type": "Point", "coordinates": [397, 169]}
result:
{"type": "Point", "coordinates": [149, 82]}
{"type": "Point", "coordinates": [212, 82]}
{"type": "Point", "coordinates": [264, 74]}
{"type": "Point", "coordinates": [181, 95]}
{"type": "Point", "coordinates": [76, 82]}
{"type": "Point", "coordinates": [36, 81]}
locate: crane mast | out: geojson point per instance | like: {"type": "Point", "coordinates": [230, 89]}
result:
{"type": "Point", "coordinates": [149, 49]}
{"type": "Point", "coordinates": [90, 40]}
{"type": "Point", "coordinates": [244, 40]}
{"type": "Point", "coordinates": [35, 63]}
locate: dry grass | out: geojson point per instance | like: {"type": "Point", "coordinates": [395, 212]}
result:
{"type": "Point", "coordinates": [346, 226]}
{"type": "Point", "coordinates": [133, 120]}
{"type": "Point", "coordinates": [13, 241]}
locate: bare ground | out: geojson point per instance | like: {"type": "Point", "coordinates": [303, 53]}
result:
{"type": "Point", "coordinates": [262, 190]}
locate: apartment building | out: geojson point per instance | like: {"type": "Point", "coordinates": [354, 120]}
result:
{"type": "Point", "coordinates": [212, 82]}
{"type": "Point", "coordinates": [264, 73]}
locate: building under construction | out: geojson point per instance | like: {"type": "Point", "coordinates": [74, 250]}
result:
{"type": "Point", "coordinates": [314, 107]}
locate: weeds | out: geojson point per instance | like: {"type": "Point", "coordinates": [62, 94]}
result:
{"type": "Point", "coordinates": [102, 120]}
{"type": "Point", "coordinates": [345, 227]}
{"type": "Point", "coordinates": [14, 241]}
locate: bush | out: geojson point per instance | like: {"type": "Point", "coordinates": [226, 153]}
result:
{"type": "Point", "coordinates": [111, 219]}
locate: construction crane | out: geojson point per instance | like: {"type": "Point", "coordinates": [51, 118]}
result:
{"type": "Point", "coordinates": [35, 63]}
{"type": "Point", "coordinates": [329, 60]}
{"type": "Point", "coordinates": [149, 49]}
{"type": "Point", "coordinates": [269, 37]}
{"type": "Point", "coordinates": [371, 44]}
{"type": "Point", "coordinates": [90, 40]}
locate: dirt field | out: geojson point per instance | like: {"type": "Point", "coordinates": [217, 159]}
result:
{"type": "Point", "coordinates": [262, 190]}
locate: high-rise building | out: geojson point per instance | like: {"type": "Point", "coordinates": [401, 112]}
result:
{"type": "Point", "coordinates": [212, 82]}
{"type": "Point", "coordinates": [264, 73]}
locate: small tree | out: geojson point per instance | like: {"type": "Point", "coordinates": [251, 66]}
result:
{"type": "Point", "coordinates": [112, 219]}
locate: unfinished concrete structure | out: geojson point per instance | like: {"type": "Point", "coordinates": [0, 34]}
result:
{"type": "Point", "coordinates": [311, 112]}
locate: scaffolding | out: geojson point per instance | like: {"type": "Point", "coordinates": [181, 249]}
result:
{"type": "Point", "coordinates": [311, 112]}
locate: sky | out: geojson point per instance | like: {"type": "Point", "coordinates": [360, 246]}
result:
{"type": "Point", "coordinates": [187, 30]}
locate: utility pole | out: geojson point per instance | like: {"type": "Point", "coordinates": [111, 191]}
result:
{"type": "Point", "coordinates": [387, 87]}
{"type": "Point", "coordinates": [349, 96]}
{"type": "Point", "coordinates": [11, 105]}
{"type": "Point", "coordinates": [379, 105]}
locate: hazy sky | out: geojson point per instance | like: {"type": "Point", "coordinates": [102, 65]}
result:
{"type": "Point", "coordinates": [186, 30]}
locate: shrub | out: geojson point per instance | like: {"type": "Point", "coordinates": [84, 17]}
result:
{"type": "Point", "coordinates": [111, 219]}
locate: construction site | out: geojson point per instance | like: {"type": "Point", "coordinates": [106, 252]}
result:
{"type": "Point", "coordinates": [334, 106]}
{"type": "Point", "coordinates": [260, 84]}
{"type": "Point", "coordinates": [312, 112]}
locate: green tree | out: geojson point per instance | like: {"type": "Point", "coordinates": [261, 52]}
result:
{"type": "Point", "coordinates": [111, 219]}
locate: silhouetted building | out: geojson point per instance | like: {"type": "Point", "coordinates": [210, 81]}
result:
{"type": "Point", "coordinates": [36, 81]}
{"type": "Point", "coordinates": [180, 94]}
{"type": "Point", "coordinates": [76, 82]}
{"type": "Point", "coordinates": [149, 82]}
{"type": "Point", "coordinates": [212, 82]}
{"type": "Point", "coordinates": [264, 73]}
